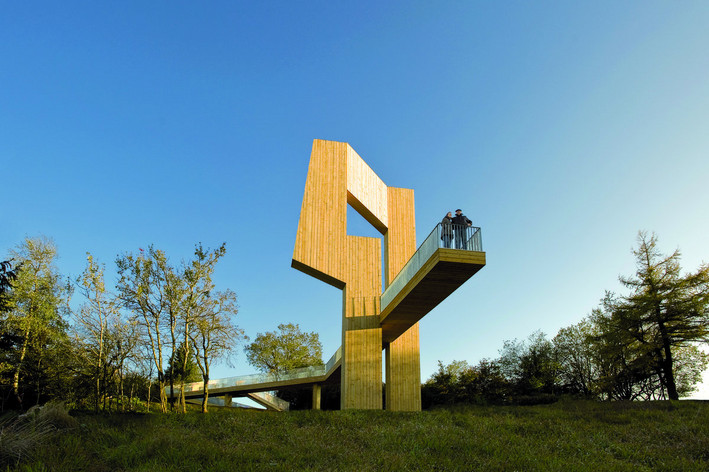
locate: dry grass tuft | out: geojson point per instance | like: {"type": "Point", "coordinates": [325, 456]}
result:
{"type": "Point", "coordinates": [22, 435]}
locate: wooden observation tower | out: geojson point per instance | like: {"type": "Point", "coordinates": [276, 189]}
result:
{"type": "Point", "coordinates": [376, 321]}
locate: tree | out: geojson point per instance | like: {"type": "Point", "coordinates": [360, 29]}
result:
{"type": "Point", "coordinates": [485, 383]}
{"type": "Point", "coordinates": [625, 371]}
{"type": "Point", "coordinates": [142, 288]}
{"type": "Point", "coordinates": [182, 366]}
{"type": "Point", "coordinates": [531, 366]}
{"type": "Point", "coordinates": [276, 352]}
{"type": "Point", "coordinates": [577, 359]}
{"type": "Point", "coordinates": [123, 335]}
{"type": "Point", "coordinates": [195, 287]}
{"type": "Point", "coordinates": [8, 274]}
{"type": "Point", "coordinates": [690, 362]}
{"type": "Point", "coordinates": [459, 382]}
{"type": "Point", "coordinates": [214, 336]}
{"type": "Point", "coordinates": [664, 311]}
{"type": "Point", "coordinates": [34, 321]}
{"type": "Point", "coordinates": [444, 387]}
{"type": "Point", "coordinates": [166, 300]}
{"type": "Point", "coordinates": [92, 320]}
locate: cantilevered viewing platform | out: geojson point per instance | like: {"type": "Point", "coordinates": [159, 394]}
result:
{"type": "Point", "coordinates": [448, 257]}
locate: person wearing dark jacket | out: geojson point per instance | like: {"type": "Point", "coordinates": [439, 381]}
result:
{"type": "Point", "coordinates": [460, 226]}
{"type": "Point", "coordinates": [447, 230]}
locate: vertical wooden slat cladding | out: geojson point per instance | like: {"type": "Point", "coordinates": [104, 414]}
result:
{"type": "Point", "coordinates": [336, 176]}
{"type": "Point", "coordinates": [320, 240]}
{"type": "Point", "coordinates": [403, 369]}
{"type": "Point", "coordinates": [366, 192]}
{"type": "Point", "coordinates": [362, 336]}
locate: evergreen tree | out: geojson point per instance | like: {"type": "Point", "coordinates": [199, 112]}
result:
{"type": "Point", "coordinates": [7, 276]}
{"type": "Point", "coordinates": [182, 367]}
{"type": "Point", "coordinates": [665, 311]}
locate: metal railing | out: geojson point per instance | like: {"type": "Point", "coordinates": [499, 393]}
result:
{"type": "Point", "coordinates": [465, 238]}
{"type": "Point", "coordinates": [301, 373]}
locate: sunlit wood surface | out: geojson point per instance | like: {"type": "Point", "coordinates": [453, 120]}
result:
{"type": "Point", "coordinates": [402, 358]}
{"type": "Point", "coordinates": [337, 176]}
{"type": "Point", "coordinates": [361, 386]}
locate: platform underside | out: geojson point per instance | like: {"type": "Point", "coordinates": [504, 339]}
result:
{"type": "Point", "coordinates": [444, 272]}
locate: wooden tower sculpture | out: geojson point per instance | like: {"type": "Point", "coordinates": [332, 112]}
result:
{"type": "Point", "coordinates": [337, 176]}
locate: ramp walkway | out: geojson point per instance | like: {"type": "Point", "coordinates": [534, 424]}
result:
{"type": "Point", "coordinates": [266, 400]}
{"type": "Point", "coordinates": [254, 385]}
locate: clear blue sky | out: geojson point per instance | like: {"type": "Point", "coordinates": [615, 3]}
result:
{"type": "Point", "coordinates": [560, 128]}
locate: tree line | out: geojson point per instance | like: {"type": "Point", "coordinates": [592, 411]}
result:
{"type": "Point", "coordinates": [116, 348]}
{"type": "Point", "coordinates": [133, 346]}
{"type": "Point", "coordinates": [641, 345]}
{"type": "Point", "coordinates": [165, 324]}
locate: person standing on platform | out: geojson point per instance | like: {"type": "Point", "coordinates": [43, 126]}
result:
{"type": "Point", "coordinates": [447, 230]}
{"type": "Point", "coordinates": [460, 225]}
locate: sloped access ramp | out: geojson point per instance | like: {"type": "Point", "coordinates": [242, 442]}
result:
{"type": "Point", "coordinates": [254, 386]}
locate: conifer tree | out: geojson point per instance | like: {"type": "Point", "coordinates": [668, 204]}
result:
{"type": "Point", "coordinates": [665, 310]}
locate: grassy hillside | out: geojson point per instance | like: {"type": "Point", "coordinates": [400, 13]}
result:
{"type": "Point", "coordinates": [565, 436]}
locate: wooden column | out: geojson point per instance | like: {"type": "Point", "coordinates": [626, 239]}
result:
{"type": "Point", "coordinates": [227, 399]}
{"type": "Point", "coordinates": [361, 386]}
{"type": "Point", "coordinates": [317, 389]}
{"type": "Point", "coordinates": [403, 365]}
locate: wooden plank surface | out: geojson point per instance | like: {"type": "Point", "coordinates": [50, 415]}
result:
{"type": "Point", "coordinates": [320, 240]}
{"type": "Point", "coordinates": [402, 356]}
{"type": "Point", "coordinates": [366, 192]}
{"type": "Point", "coordinates": [338, 176]}
{"type": "Point", "coordinates": [361, 386]}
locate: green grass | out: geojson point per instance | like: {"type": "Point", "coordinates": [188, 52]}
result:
{"type": "Point", "coordinates": [572, 435]}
